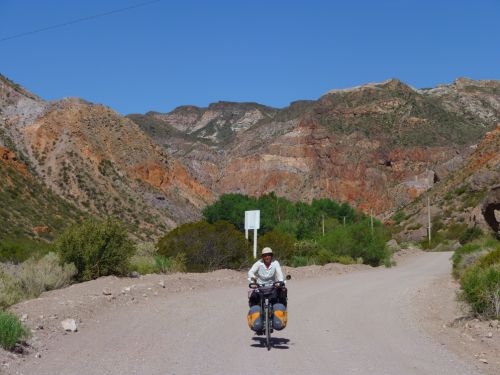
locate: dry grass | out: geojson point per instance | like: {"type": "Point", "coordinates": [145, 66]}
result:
{"type": "Point", "coordinates": [31, 278]}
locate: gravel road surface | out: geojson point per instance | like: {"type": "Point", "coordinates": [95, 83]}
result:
{"type": "Point", "coordinates": [357, 323]}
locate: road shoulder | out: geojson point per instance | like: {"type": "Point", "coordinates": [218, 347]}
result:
{"type": "Point", "coordinates": [443, 318]}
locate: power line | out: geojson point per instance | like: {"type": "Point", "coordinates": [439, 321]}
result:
{"type": "Point", "coordinates": [78, 20]}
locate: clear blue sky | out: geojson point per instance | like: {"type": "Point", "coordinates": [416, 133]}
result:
{"type": "Point", "coordinates": [172, 53]}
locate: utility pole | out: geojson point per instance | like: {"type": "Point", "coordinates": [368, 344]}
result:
{"type": "Point", "coordinates": [323, 217]}
{"type": "Point", "coordinates": [344, 220]}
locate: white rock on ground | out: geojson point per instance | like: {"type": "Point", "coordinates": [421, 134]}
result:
{"type": "Point", "coordinates": [69, 325]}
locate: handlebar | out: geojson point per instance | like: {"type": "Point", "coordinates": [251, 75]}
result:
{"type": "Point", "coordinates": [277, 284]}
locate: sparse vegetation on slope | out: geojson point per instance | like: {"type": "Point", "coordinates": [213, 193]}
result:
{"type": "Point", "coordinates": [33, 277]}
{"type": "Point", "coordinates": [477, 266]}
{"type": "Point", "coordinates": [28, 209]}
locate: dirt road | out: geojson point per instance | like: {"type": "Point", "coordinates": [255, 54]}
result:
{"type": "Point", "coordinates": [358, 323]}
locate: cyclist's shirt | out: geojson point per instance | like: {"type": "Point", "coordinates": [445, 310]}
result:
{"type": "Point", "coordinates": [266, 275]}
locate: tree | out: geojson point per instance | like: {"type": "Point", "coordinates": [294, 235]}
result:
{"type": "Point", "coordinates": [96, 248]}
{"type": "Point", "coordinates": [281, 243]}
{"type": "Point", "coordinates": [231, 208]}
{"type": "Point", "coordinates": [206, 246]}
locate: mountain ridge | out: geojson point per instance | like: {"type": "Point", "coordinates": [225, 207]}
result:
{"type": "Point", "coordinates": [392, 124]}
{"type": "Point", "coordinates": [378, 147]}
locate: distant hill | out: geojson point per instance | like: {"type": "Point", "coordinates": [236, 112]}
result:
{"type": "Point", "coordinates": [101, 162]}
{"type": "Point", "coordinates": [377, 146]}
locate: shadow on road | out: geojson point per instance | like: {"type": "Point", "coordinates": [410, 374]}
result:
{"type": "Point", "coordinates": [276, 342]}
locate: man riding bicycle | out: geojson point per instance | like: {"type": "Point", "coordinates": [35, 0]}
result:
{"type": "Point", "coordinates": [268, 298]}
{"type": "Point", "coordinates": [267, 271]}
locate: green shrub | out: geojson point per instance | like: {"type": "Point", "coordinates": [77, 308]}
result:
{"type": "Point", "coordinates": [179, 263]}
{"type": "Point", "coordinates": [143, 264]}
{"type": "Point", "coordinates": [399, 216]}
{"type": "Point", "coordinates": [11, 330]}
{"type": "Point", "coordinates": [163, 264]}
{"type": "Point", "coordinates": [358, 241]}
{"type": "Point", "coordinates": [460, 190]}
{"type": "Point", "coordinates": [469, 235]}
{"type": "Point", "coordinates": [33, 277]}
{"type": "Point", "coordinates": [281, 243]}
{"type": "Point", "coordinates": [454, 231]}
{"type": "Point", "coordinates": [19, 250]}
{"type": "Point", "coordinates": [489, 259]}
{"type": "Point", "coordinates": [441, 234]}
{"type": "Point", "coordinates": [338, 241]}
{"type": "Point", "coordinates": [326, 256]}
{"type": "Point", "coordinates": [306, 248]}
{"type": "Point", "coordinates": [96, 248]}
{"type": "Point", "coordinates": [205, 246]}
{"type": "Point", "coordinates": [459, 254]}
{"type": "Point", "coordinates": [301, 261]}
{"type": "Point", "coordinates": [481, 289]}
{"type": "Point", "coordinates": [345, 259]}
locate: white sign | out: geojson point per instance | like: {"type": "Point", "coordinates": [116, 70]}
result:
{"type": "Point", "coordinates": [252, 222]}
{"type": "Point", "coordinates": [252, 219]}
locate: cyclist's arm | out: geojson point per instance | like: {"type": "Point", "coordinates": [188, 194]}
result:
{"type": "Point", "coordinates": [253, 270]}
{"type": "Point", "coordinates": [279, 273]}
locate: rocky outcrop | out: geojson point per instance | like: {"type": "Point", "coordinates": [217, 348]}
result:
{"type": "Point", "coordinates": [491, 209]}
{"type": "Point", "coordinates": [468, 195]}
{"type": "Point", "coordinates": [377, 146]}
{"type": "Point", "coordinates": [9, 157]}
{"type": "Point", "coordinates": [91, 155]}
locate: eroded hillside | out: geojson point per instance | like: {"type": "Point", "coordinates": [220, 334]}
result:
{"type": "Point", "coordinates": [103, 163]}
{"type": "Point", "coordinates": [377, 146]}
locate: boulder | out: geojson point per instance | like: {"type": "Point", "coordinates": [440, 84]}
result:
{"type": "Point", "coordinates": [416, 235]}
{"type": "Point", "coordinates": [69, 325]}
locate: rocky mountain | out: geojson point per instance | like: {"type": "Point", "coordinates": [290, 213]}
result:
{"type": "Point", "coordinates": [377, 146]}
{"type": "Point", "coordinates": [469, 196]}
{"type": "Point", "coordinates": [101, 162]}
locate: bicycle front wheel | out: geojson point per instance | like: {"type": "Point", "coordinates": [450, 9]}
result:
{"type": "Point", "coordinates": [268, 328]}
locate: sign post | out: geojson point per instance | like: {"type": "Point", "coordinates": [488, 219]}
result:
{"type": "Point", "coordinates": [252, 221]}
